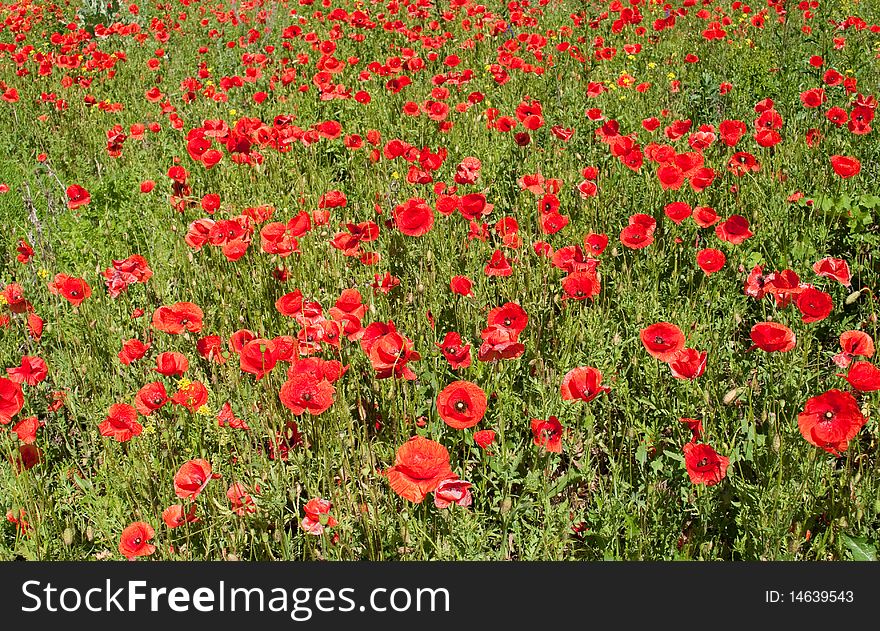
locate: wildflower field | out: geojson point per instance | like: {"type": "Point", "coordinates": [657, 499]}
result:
{"type": "Point", "coordinates": [439, 279]}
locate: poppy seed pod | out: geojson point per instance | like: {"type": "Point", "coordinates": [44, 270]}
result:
{"type": "Point", "coordinates": [853, 297]}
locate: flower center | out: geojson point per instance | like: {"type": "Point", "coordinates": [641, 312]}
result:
{"type": "Point", "coordinates": [460, 406]}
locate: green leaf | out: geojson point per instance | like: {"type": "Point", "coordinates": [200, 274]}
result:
{"type": "Point", "coordinates": [859, 547]}
{"type": "Point", "coordinates": [642, 455]}
{"type": "Point", "coordinates": [674, 456]}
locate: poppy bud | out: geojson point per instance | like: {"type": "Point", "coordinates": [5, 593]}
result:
{"type": "Point", "coordinates": [506, 505]}
{"type": "Point", "coordinates": [731, 397]}
{"type": "Point", "coordinates": [67, 536]}
{"type": "Point", "coordinates": [853, 297]}
{"type": "Point", "coordinates": [90, 533]}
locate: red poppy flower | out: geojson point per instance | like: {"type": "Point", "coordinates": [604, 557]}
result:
{"type": "Point", "coordinates": [420, 465]}
{"type": "Point", "coordinates": [845, 166]}
{"type": "Point", "coordinates": [29, 456]}
{"type": "Point", "coordinates": [583, 383]}
{"type": "Point", "coordinates": [704, 465]}
{"type": "Point", "coordinates": [688, 363]}
{"type": "Point", "coordinates": [662, 340]}
{"type": "Point", "coordinates": [258, 357]}
{"type": "Point", "coordinates": [19, 520]}
{"type": "Point", "coordinates": [461, 404]}
{"type": "Point", "coordinates": [784, 286]}
{"type": "Point", "coordinates": [331, 370]}
{"type": "Point", "coordinates": [11, 400]}
{"type": "Point", "coordinates": [678, 211]}
{"type": "Point", "coordinates": [830, 420]}
{"type": "Point", "coordinates": [705, 216]}
{"type": "Point", "coordinates": [457, 354]}
{"type": "Point", "coordinates": [473, 206]}
{"type": "Point", "coordinates": [636, 236]}
{"type": "Point", "coordinates": [121, 423]}
{"type": "Point", "coordinates": [587, 189]}
{"type": "Point", "coordinates": [671, 177]}
{"type": "Point", "coordinates": [238, 339]}
{"type": "Point", "coordinates": [318, 516]}
{"type": "Point", "coordinates": [414, 217]}
{"type": "Point", "coordinates": [176, 515]}
{"type": "Point", "coordinates": [695, 425]}
{"type": "Point", "coordinates": [31, 371]}
{"type": "Point", "coordinates": [26, 429]}
{"type": "Point", "coordinates": [304, 392]}
{"type": "Point", "coordinates": [773, 337]}
{"type": "Point", "coordinates": [731, 131]}
{"type": "Point", "coordinates": [756, 283]}
{"type": "Point", "coordinates": [389, 351]}
{"type": "Point", "coordinates": [498, 265]}
{"type": "Point", "coordinates": [240, 499]}
{"type": "Point", "coordinates": [226, 418]}
{"type": "Point", "coordinates": [581, 285]}
{"type": "Point", "coordinates": [734, 230]}
{"type": "Point", "coordinates": [191, 396]}
{"type": "Point", "coordinates": [813, 98]}
{"type": "Point", "coordinates": [857, 343]}
{"type": "Point", "coordinates": [15, 300]}
{"type": "Point", "coordinates": [864, 376]}
{"type": "Point", "coordinates": [595, 243]}
{"type": "Point", "coordinates": [814, 305]}
{"type": "Point", "coordinates": [547, 434]}
{"type": "Point", "coordinates": [77, 196]}
{"type": "Point", "coordinates": [510, 315]}
{"type": "Point", "coordinates": [484, 438]}
{"type": "Point", "coordinates": [132, 350]}
{"type": "Point", "coordinates": [499, 342]}
{"type": "Point", "coordinates": [72, 289]}
{"type": "Point", "coordinates": [210, 347]}
{"type": "Point", "coordinates": [711, 260]}
{"type": "Point", "coordinates": [192, 478]}
{"type": "Point", "coordinates": [177, 318]}
{"type": "Point", "coordinates": [150, 398]}
{"type": "Point", "coordinates": [453, 491]}
{"type": "Point", "coordinates": [385, 283]}
{"type": "Point", "coordinates": [838, 269]}
{"type": "Point", "coordinates": [461, 285]}
{"type": "Point", "coordinates": [34, 326]}
{"type": "Point", "coordinates": [134, 541]}
{"type": "Point", "coordinates": [171, 364]}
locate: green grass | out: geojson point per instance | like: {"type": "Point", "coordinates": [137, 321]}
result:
{"type": "Point", "coordinates": [621, 473]}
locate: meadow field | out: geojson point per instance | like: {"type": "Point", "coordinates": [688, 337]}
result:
{"type": "Point", "coordinates": [439, 279]}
